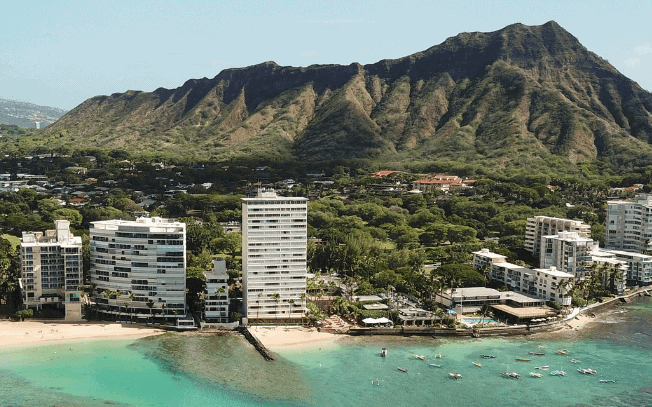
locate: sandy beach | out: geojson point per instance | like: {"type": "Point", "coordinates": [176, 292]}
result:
{"type": "Point", "coordinates": [282, 337]}
{"type": "Point", "coordinates": [26, 333]}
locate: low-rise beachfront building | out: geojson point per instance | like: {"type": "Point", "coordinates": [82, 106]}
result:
{"type": "Point", "coordinates": [417, 317]}
{"type": "Point", "coordinates": [636, 267]}
{"type": "Point", "coordinates": [216, 293]}
{"type": "Point", "coordinates": [531, 282]}
{"type": "Point", "coordinates": [274, 257]}
{"type": "Point", "coordinates": [138, 269]}
{"type": "Point", "coordinates": [554, 285]}
{"type": "Point", "coordinates": [51, 269]}
{"type": "Point", "coordinates": [540, 226]}
{"type": "Point", "coordinates": [471, 300]}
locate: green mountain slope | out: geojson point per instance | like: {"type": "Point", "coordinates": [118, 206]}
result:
{"type": "Point", "coordinates": [523, 96]}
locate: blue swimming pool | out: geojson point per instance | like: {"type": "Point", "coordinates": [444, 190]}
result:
{"type": "Point", "coordinates": [479, 320]}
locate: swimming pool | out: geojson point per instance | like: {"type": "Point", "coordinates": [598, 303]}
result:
{"type": "Point", "coordinates": [479, 320]}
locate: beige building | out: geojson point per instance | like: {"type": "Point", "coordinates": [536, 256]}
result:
{"type": "Point", "coordinates": [51, 269]}
{"type": "Point", "coordinates": [540, 226]}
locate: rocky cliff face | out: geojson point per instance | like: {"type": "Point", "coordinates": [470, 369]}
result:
{"type": "Point", "coordinates": [520, 94]}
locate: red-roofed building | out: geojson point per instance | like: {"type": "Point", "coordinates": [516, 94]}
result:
{"type": "Point", "coordinates": [383, 174]}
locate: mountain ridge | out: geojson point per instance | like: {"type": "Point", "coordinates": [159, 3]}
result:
{"type": "Point", "coordinates": [522, 93]}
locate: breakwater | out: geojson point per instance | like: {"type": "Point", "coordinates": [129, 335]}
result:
{"type": "Point", "coordinates": [264, 352]}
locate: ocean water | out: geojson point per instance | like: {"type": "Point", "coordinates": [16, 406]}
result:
{"type": "Point", "coordinates": [206, 369]}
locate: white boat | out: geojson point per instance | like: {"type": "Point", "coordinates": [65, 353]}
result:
{"type": "Point", "coordinates": [536, 374]}
{"type": "Point", "coordinates": [575, 361]}
{"type": "Point", "coordinates": [438, 356]}
{"type": "Point", "coordinates": [383, 352]}
{"type": "Point", "coordinates": [434, 365]}
{"type": "Point", "coordinates": [542, 367]}
{"type": "Point", "coordinates": [607, 381]}
{"type": "Point", "coordinates": [476, 364]}
{"type": "Point", "coordinates": [558, 373]}
{"type": "Point", "coordinates": [420, 357]}
{"type": "Point", "coordinates": [586, 371]}
{"type": "Point", "coordinates": [455, 376]}
{"type": "Point", "coordinates": [513, 375]}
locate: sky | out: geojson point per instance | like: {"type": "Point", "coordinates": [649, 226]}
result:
{"type": "Point", "coordinates": [59, 53]}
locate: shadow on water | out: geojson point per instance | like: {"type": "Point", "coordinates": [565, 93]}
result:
{"type": "Point", "coordinates": [228, 362]}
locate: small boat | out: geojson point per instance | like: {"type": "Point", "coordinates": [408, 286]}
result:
{"type": "Point", "coordinates": [607, 381]}
{"type": "Point", "coordinates": [476, 364]}
{"type": "Point", "coordinates": [586, 371]}
{"type": "Point", "coordinates": [383, 352]}
{"type": "Point", "coordinates": [542, 367]}
{"type": "Point", "coordinates": [575, 361]}
{"type": "Point", "coordinates": [434, 365]}
{"type": "Point", "coordinates": [536, 353]}
{"type": "Point", "coordinates": [562, 352]}
{"type": "Point", "coordinates": [455, 376]}
{"type": "Point", "coordinates": [536, 374]}
{"type": "Point", "coordinates": [420, 357]}
{"type": "Point", "coordinates": [512, 375]}
{"type": "Point", "coordinates": [558, 373]}
{"type": "Point", "coordinates": [487, 357]}
{"type": "Point", "coordinates": [402, 369]}
{"type": "Point", "coordinates": [523, 360]}
{"type": "Point", "coordinates": [438, 356]}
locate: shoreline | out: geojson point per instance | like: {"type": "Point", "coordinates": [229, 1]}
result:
{"type": "Point", "coordinates": [28, 333]}
{"type": "Point", "coordinates": [285, 337]}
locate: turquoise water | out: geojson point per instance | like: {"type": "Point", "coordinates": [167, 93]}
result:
{"type": "Point", "coordinates": [202, 370]}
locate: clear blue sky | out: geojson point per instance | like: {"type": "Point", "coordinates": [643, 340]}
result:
{"type": "Point", "coordinates": [59, 53]}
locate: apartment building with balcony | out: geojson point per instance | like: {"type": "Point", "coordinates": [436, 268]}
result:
{"type": "Point", "coordinates": [540, 226]}
{"type": "Point", "coordinates": [274, 268]}
{"type": "Point", "coordinates": [539, 283]}
{"type": "Point", "coordinates": [568, 252]}
{"type": "Point", "coordinates": [629, 224]}
{"type": "Point", "coordinates": [216, 293]}
{"type": "Point", "coordinates": [51, 270]}
{"type": "Point", "coordinates": [138, 269]}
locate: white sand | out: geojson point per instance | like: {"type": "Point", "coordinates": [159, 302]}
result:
{"type": "Point", "coordinates": [280, 337]}
{"type": "Point", "coordinates": [27, 333]}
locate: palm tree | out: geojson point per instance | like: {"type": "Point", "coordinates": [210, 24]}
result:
{"type": "Point", "coordinates": [616, 274]}
{"type": "Point", "coordinates": [303, 304]}
{"type": "Point", "coordinates": [291, 301]}
{"type": "Point", "coordinates": [277, 298]}
{"type": "Point", "coordinates": [150, 304]}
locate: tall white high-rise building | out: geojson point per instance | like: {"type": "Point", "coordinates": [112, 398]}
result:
{"type": "Point", "coordinates": [568, 252]}
{"type": "Point", "coordinates": [629, 224]}
{"type": "Point", "coordinates": [274, 237]}
{"type": "Point", "coordinates": [51, 269]}
{"type": "Point", "coordinates": [540, 226]}
{"type": "Point", "coordinates": [138, 268]}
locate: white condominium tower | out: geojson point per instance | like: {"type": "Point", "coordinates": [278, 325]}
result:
{"type": "Point", "coordinates": [629, 224]}
{"type": "Point", "coordinates": [51, 269]}
{"type": "Point", "coordinates": [138, 268]}
{"type": "Point", "coordinates": [540, 226]}
{"type": "Point", "coordinates": [274, 235]}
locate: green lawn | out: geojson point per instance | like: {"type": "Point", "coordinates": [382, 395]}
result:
{"type": "Point", "coordinates": [12, 239]}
